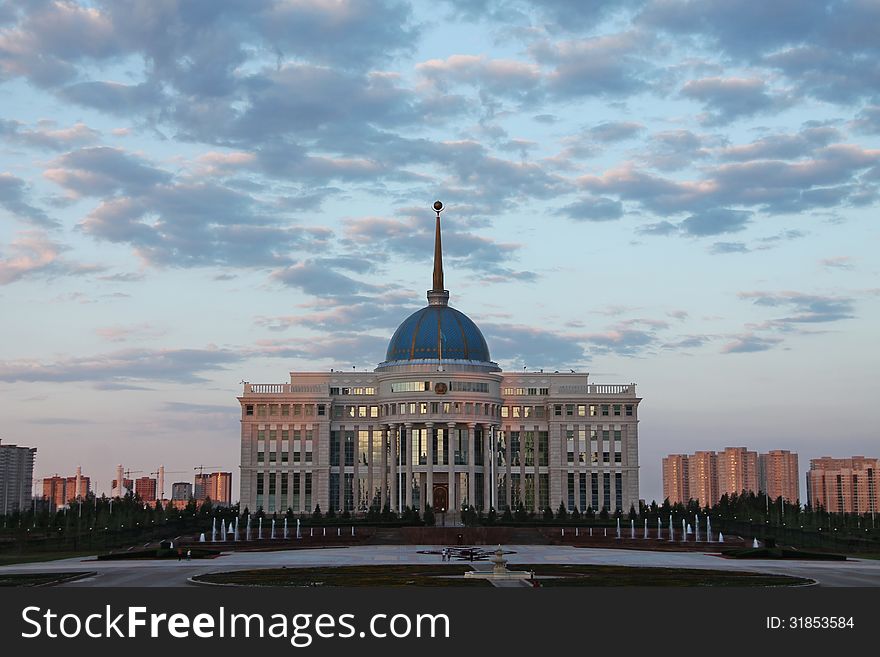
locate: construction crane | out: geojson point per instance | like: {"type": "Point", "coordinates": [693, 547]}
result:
{"type": "Point", "coordinates": [201, 468]}
{"type": "Point", "coordinates": [160, 474]}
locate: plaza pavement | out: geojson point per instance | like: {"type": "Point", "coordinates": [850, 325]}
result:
{"type": "Point", "coordinates": [855, 572]}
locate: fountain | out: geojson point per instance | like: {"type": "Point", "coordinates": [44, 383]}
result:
{"type": "Point", "coordinates": [720, 537]}
{"type": "Point", "coordinates": [755, 543]}
{"type": "Point", "coordinates": [683, 529]}
{"type": "Point", "coordinates": [214, 530]}
{"type": "Point", "coordinates": [709, 527]}
{"type": "Point", "coordinates": [690, 530]}
{"type": "Point", "coordinates": [247, 531]}
{"type": "Point", "coordinates": [697, 529]}
{"type": "Point", "coordinates": [659, 529]}
{"type": "Point", "coordinates": [632, 528]}
{"type": "Point", "coordinates": [671, 530]}
{"type": "Point", "coordinates": [591, 532]}
{"type": "Point", "coordinates": [235, 533]}
{"type": "Point", "coordinates": [577, 532]}
{"type": "Point", "coordinates": [339, 531]}
{"type": "Point", "coordinates": [202, 537]}
{"type": "Point", "coordinates": [352, 530]}
{"type": "Point", "coordinates": [618, 529]}
{"type": "Point", "coordinates": [285, 528]}
{"type": "Point", "coordinates": [499, 569]}
{"type": "Point", "coordinates": [260, 529]}
{"type": "Point", "coordinates": [272, 531]}
{"type": "Point", "coordinates": [223, 530]}
{"type": "Point", "coordinates": [297, 529]}
{"type": "Point", "coordinates": [645, 537]}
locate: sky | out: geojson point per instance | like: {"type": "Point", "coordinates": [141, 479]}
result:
{"type": "Point", "coordinates": [675, 193]}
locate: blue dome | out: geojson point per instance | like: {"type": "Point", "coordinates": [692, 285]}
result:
{"type": "Point", "coordinates": [438, 332]}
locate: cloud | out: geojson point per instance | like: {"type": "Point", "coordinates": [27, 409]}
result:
{"type": "Point", "coordinates": [32, 254]}
{"type": "Point", "coordinates": [533, 346]}
{"type": "Point", "coordinates": [125, 333]}
{"type": "Point", "coordinates": [716, 222]}
{"type": "Point", "coordinates": [501, 77]}
{"type": "Point", "coordinates": [806, 308]}
{"type": "Point", "coordinates": [729, 99]}
{"type": "Point", "coordinates": [320, 277]}
{"type": "Point", "coordinates": [13, 192]}
{"type": "Point", "coordinates": [596, 208]}
{"type": "Point", "coordinates": [101, 170]}
{"type": "Point", "coordinates": [613, 131]}
{"type": "Point", "coordinates": [838, 262]}
{"type": "Point", "coordinates": [728, 247]}
{"type": "Point", "coordinates": [611, 65]}
{"type": "Point", "coordinates": [128, 365]}
{"type": "Point", "coordinates": [677, 149]}
{"type": "Point", "coordinates": [47, 135]}
{"type": "Point", "coordinates": [750, 343]}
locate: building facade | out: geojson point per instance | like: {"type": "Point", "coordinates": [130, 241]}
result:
{"type": "Point", "coordinates": [60, 491]}
{"type": "Point", "coordinates": [181, 490]}
{"type": "Point", "coordinates": [217, 486]}
{"type": "Point", "coordinates": [16, 477]}
{"type": "Point", "coordinates": [844, 485]}
{"type": "Point", "coordinates": [145, 488]}
{"type": "Point", "coordinates": [737, 471]}
{"type": "Point", "coordinates": [778, 474]}
{"type": "Point", "coordinates": [676, 482]}
{"type": "Point", "coordinates": [438, 423]}
{"type": "Point", "coordinates": [703, 477]}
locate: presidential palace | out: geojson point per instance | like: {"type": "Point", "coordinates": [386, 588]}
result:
{"type": "Point", "coordinates": [438, 423]}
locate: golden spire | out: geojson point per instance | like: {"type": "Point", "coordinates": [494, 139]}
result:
{"type": "Point", "coordinates": [437, 296]}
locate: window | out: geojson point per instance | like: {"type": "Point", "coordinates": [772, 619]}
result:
{"type": "Point", "coordinates": [583, 491]}
{"type": "Point", "coordinates": [411, 386]}
{"type": "Point", "coordinates": [569, 409]}
{"type": "Point", "coordinates": [629, 410]}
{"type": "Point", "coordinates": [505, 411]}
{"type": "Point", "coordinates": [543, 448]}
{"type": "Point", "coordinates": [533, 391]}
{"type": "Point", "coordinates": [297, 410]}
{"type": "Point", "coordinates": [321, 409]}
{"type": "Point", "coordinates": [296, 491]}
{"type": "Point", "coordinates": [285, 434]}
{"type": "Point", "coordinates": [618, 491]}
{"type": "Point", "coordinates": [260, 457]}
{"type": "Point", "coordinates": [569, 442]}
{"type": "Point", "coordinates": [362, 411]}
{"type": "Point", "coordinates": [349, 448]}
{"type": "Point", "coordinates": [374, 411]}
{"type": "Point", "coordinates": [571, 491]}
{"type": "Point", "coordinates": [423, 408]}
{"type": "Point", "coordinates": [530, 448]}
{"type": "Point", "coordinates": [594, 477]}
{"type": "Point", "coordinates": [334, 449]}
{"type": "Point", "coordinates": [545, 391]}
{"type": "Point", "coordinates": [260, 483]}
{"type": "Point", "coordinates": [539, 411]}
{"type": "Point", "coordinates": [557, 410]}
{"type": "Point", "coordinates": [337, 412]}
{"type": "Point", "coordinates": [272, 434]}
{"type": "Point", "coordinates": [273, 409]}
{"type": "Point", "coordinates": [272, 457]}
{"type": "Point", "coordinates": [616, 408]}
{"type": "Point", "coordinates": [308, 487]}
{"type": "Point", "coordinates": [261, 434]}
{"type": "Point", "coordinates": [514, 448]}
{"type": "Point", "coordinates": [249, 409]}
{"type": "Point", "coordinates": [468, 386]}
{"type": "Point", "coordinates": [334, 391]}
{"type": "Point", "coordinates": [261, 410]}
{"type": "Point", "coordinates": [605, 410]}
{"type": "Point", "coordinates": [516, 411]}
{"type": "Point", "coordinates": [606, 497]}
{"type": "Point", "coordinates": [593, 410]}
{"type": "Point", "coordinates": [582, 410]}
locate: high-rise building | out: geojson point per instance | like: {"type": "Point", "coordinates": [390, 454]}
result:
{"type": "Point", "coordinates": [181, 490]}
{"type": "Point", "coordinates": [778, 474]}
{"type": "Point", "coordinates": [676, 486]}
{"type": "Point", "coordinates": [145, 488]}
{"type": "Point", "coordinates": [737, 471]}
{"type": "Point", "coordinates": [848, 485]}
{"type": "Point", "coordinates": [16, 477]}
{"type": "Point", "coordinates": [60, 491]}
{"type": "Point", "coordinates": [217, 486]}
{"type": "Point", "coordinates": [703, 477]}
{"type": "Point", "coordinates": [438, 423]}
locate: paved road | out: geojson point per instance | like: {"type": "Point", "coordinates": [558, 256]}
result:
{"type": "Point", "coordinates": [856, 572]}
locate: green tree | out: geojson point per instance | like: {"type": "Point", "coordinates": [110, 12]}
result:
{"type": "Point", "coordinates": [562, 512]}
{"type": "Point", "coordinates": [429, 516]}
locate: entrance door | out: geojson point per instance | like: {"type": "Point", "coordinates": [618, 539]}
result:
{"type": "Point", "coordinates": [441, 498]}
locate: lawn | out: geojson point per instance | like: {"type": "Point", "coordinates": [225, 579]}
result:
{"type": "Point", "coordinates": [391, 575]}
{"type": "Point", "coordinates": [9, 558]}
{"type": "Point", "coordinates": [39, 579]}
{"type": "Point", "coordinates": [587, 575]}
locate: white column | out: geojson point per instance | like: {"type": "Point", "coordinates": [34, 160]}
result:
{"type": "Point", "coordinates": [429, 488]}
{"type": "Point", "coordinates": [453, 502]}
{"type": "Point", "coordinates": [395, 470]}
{"type": "Point", "coordinates": [472, 468]}
{"type": "Point", "coordinates": [409, 459]}
{"type": "Point", "coordinates": [384, 483]}
{"type": "Point", "coordinates": [488, 434]}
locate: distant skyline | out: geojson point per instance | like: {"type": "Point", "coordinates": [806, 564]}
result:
{"type": "Point", "coordinates": [674, 193]}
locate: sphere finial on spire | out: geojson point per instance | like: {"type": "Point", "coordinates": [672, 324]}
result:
{"type": "Point", "coordinates": [437, 295]}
